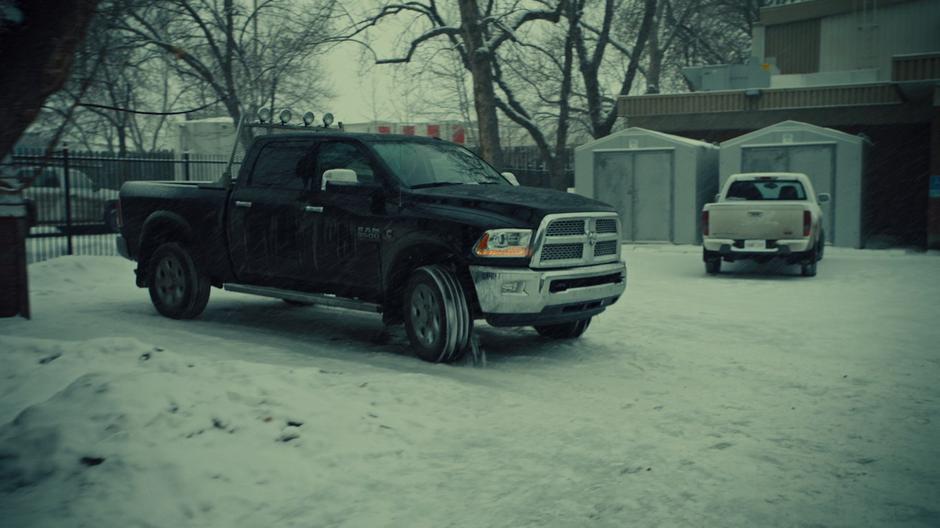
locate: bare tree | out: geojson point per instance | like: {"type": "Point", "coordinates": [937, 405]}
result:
{"type": "Point", "coordinates": [476, 39]}
{"type": "Point", "coordinates": [36, 55]}
{"type": "Point", "coordinates": [240, 56]}
{"type": "Point", "coordinates": [711, 31]}
{"type": "Point", "coordinates": [592, 44]}
{"type": "Point", "coordinates": [543, 70]}
{"type": "Point", "coordinates": [112, 73]}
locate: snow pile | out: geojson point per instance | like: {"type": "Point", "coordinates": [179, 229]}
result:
{"type": "Point", "coordinates": [139, 435]}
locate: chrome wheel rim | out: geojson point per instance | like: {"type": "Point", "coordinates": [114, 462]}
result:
{"type": "Point", "coordinates": [170, 280]}
{"type": "Point", "coordinates": [425, 315]}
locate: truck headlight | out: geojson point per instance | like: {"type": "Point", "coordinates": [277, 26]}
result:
{"type": "Point", "coordinates": [512, 243]}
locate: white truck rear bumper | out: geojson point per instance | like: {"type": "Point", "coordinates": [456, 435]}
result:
{"type": "Point", "coordinates": [796, 245]}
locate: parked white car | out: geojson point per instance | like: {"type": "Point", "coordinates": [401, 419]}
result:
{"type": "Point", "coordinates": [89, 204]}
{"type": "Point", "coordinates": [765, 216]}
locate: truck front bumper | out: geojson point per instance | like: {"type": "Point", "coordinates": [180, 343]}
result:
{"type": "Point", "coordinates": [523, 296]}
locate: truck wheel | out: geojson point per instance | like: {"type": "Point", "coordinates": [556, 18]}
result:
{"type": "Point", "coordinates": [808, 267]}
{"type": "Point", "coordinates": [437, 317]}
{"type": "Point", "coordinates": [713, 266]}
{"type": "Point", "coordinates": [564, 330]}
{"type": "Point", "coordinates": [110, 218]}
{"type": "Point", "coordinates": [821, 247]}
{"type": "Point", "coordinates": [177, 288]}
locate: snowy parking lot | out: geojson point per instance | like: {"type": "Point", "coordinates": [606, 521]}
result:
{"type": "Point", "coordinates": [754, 398]}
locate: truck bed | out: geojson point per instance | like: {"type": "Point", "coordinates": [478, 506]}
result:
{"type": "Point", "coordinates": [202, 205]}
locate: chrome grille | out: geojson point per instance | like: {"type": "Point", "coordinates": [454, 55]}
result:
{"type": "Point", "coordinates": [562, 252]}
{"type": "Point", "coordinates": [607, 247]}
{"type": "Point", "coordinates": [577, 239]}
{"type": "Point", "coordinates": [566, 228]}
{"type": "Point", "coordinates": [606, 225]}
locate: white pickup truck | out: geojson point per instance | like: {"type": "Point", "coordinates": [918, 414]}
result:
{"type": "Point", "coordinates": [763, 216]}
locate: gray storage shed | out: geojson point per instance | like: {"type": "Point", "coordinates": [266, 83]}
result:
{"type": "Point", "coordinates": [657, 182]}
{"type": "Point", "coordinates": [833, 160]}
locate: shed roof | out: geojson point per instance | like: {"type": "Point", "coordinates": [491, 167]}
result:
{"type": "Point", "coordinates": [637, 131]}
{"type": "Point", "coordinates": [835, 135]}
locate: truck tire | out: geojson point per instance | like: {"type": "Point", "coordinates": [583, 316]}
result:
{"type": "Point", "coordinates": [821, 247]}
{"type": "Point", "coordinates": [178, 289]}
{"type": "Point", "coordinates": [713, 266]}
{"type": "Point", "coordinates": [808, 266]}
{"type": "Point", "coordinates": [437, 318]}
{"type": "Point", "coordinates": [570, 330]}
{"type": "Point", "coordinates": [110, 218]}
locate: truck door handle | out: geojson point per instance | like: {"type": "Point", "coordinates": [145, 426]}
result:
{"type": "Point", "coordinates": [242, 204]}
{"type": "Point", "coordinates": [313, 209]}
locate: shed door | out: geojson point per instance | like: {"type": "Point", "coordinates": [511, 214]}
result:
{"type": "Point", "coordinates": [815, 161]}
{"type": "Point", "coordinates": [639, 185]}
{"type": "Point", "coordinates": [613, 183]}
{"type": "Point", "coordinates": [652, 196]}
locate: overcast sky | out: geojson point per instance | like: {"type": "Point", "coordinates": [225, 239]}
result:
{"type": "Point", "coordinates": [362, 89]}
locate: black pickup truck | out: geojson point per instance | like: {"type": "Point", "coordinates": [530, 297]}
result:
{"type": "Point", "coordinates": [417, 229]}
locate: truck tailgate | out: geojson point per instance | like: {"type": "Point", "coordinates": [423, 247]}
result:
{"type": "Point", "coordinates": [755, 220]}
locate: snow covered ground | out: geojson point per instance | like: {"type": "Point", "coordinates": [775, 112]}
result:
{"type": "Point", "coordinates": [755, 398]}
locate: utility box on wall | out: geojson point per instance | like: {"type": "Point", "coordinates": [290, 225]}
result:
{"type": "Point", "coordinates": [657, 182]}
{"type": "Point", "coordinates": [833, 160]}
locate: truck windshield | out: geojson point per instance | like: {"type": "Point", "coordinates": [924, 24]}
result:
{"type": "Point", "coordinates": [432, 164]}
{"type": "Point", "coordinates": [766, 190]}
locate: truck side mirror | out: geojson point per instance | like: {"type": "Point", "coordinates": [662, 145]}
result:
{"type": "Point", "coordinates": [512, 178]}
{"type": "Point", "coordinates": [823, 198]}
{"type": "Point", "coordinates": [347, 176]}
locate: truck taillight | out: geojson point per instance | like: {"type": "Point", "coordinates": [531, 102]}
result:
{"type": "Point", "coordinates": [705, 223]}
{"type": "Point", "coordinates": [807, 223]}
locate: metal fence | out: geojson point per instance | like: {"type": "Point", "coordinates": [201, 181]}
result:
{"type": "Point", "coordinates": [75, 194]}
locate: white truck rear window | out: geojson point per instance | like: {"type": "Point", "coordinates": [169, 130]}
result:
{"type": "Point", "coordinates": [766, 190]}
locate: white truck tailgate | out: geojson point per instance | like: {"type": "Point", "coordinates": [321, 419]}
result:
{"type": "Point", "coordinates": [755, 220]}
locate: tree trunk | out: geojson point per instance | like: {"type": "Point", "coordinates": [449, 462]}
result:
{"type": "Point", "coordinates": [557, 175]}
{"type": "Point", "coordinates": [655, 68]}
{"type": "Point", "coordinates": [603, 127]}
{"type": "Point", "coordinates": [481, 70]}
{"type": "Point", "coordinates": [36, 56]}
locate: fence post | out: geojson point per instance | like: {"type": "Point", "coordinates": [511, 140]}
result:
{"type": "Point", "coordinates": [186, 166]}
{"type": "Point", "coordinates": [68, 200]}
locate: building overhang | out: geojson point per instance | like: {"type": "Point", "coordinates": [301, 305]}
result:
{"type": "Point", "coordinates": [786, 11]}
{"type": "Point", "coordinates": [843, 105]}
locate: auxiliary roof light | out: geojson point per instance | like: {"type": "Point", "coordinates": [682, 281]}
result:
{"type": "Point", "coordinates": [327, 119]}
{"type": "Point", "coordinates": [308, 118]}
{"type": "Point", "coordinates": [285, 116]}
{"type": "Point", "coordinates": [264, 115]}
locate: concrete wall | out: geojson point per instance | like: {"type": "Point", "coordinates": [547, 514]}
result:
{"type": "Point", "coordinates": [861, 40]}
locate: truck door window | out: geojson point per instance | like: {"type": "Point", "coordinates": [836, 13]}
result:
{"type": "Point", "coordinates": [279, 166]}
{"type": "Point", "coordinates": [340, 155]}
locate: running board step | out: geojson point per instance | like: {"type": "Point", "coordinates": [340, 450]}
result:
{"type": "Point", "coordinates": [299, 296]}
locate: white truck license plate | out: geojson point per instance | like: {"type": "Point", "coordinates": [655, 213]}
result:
{"type": "Point", "coordinates": [755, 244]}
